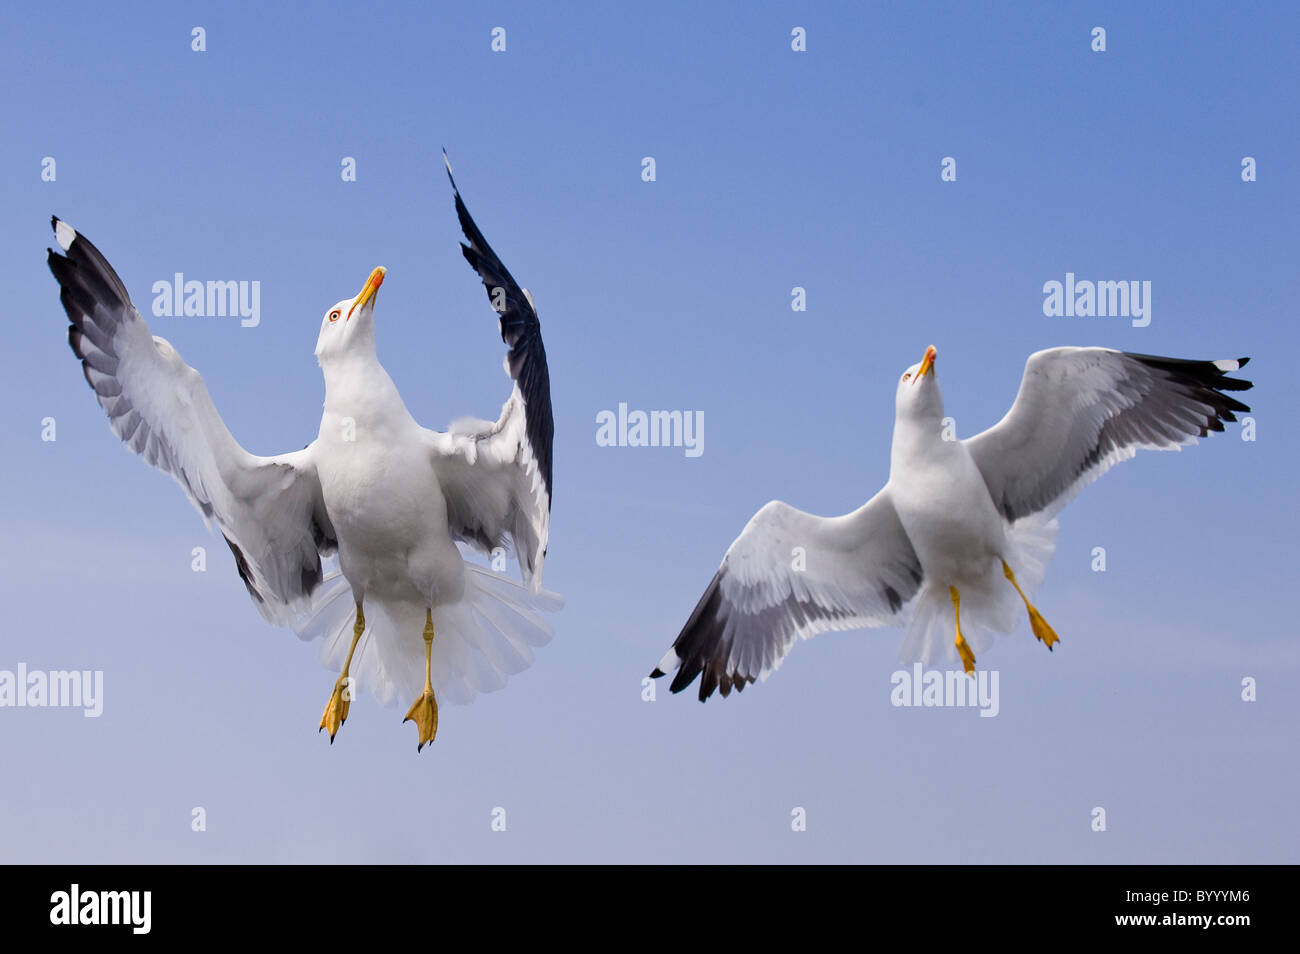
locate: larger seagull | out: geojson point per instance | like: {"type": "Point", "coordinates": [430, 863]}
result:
{"type": "Point", "coordinates": [964, 527]}
{"type": "Point", "coordinates": [392, 498]}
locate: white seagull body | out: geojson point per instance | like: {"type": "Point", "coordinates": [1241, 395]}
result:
{"type": "Point", "coordinates": [393, 499]}
{"type": "Point", "coordinates": [962, 531]}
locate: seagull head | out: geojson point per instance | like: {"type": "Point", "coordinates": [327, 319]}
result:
{"type": "Point", "coordinates": [349, 323]}
{"type": "Point", "coordinates": [918, 389]}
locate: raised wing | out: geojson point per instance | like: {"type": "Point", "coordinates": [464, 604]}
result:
{"type": "Point", "coordinates": [497, 476]}
{"type": "Point", "coordinates": [1082, 410]}
{"type": "Point", "coordinates": [269, 509]}
{"type": "Point", "coordinates": [793, 575]}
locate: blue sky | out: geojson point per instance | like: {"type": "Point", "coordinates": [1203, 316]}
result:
{"type": "Point", "coordinates": [775, 169]}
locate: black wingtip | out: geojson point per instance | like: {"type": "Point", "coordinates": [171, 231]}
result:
{"type": "Point", "coordinates": [446, 161]}
{"type": "Point", "coordinates": [658, 673]}
{"type": "Point", "coordinates": [1208, 375]}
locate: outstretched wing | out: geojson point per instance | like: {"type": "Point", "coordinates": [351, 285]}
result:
{"type": "Point", "coordinates": [496, 477]}
{"type": "Point", "coordinates": [793, 575]}
{"type": "Point", "coordinates": [269, 509]}
{"type": "Point", "coordinates": [1082, 410]}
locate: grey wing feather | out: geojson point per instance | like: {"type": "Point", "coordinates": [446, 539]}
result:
{"type": "Point", "coordinates": [269, 509]}
{"type": "Point", "coordinates": [497, 477]}
{"type": "Point", "coordinates": [791, 575]}
{"type": "Point", "coordinates": [1082, 410]}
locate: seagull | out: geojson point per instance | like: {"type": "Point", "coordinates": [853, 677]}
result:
{"type": "Point", "coordinates": [391, 500]}
{"type": "Point", "coordinates": [962, 531]}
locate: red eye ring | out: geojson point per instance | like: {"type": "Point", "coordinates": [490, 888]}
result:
{"type": "Point", "coordinates": [334, 315]}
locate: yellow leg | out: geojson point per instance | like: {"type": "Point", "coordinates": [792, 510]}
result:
{"type": "Point", "coordinates": [963, 647]}
{"type": "Point", "coordinates": [1039, 625]}
{"type": "Point", "coordinates": [336, 710]}
{"type": "Point", "coordinates": [424, 711]}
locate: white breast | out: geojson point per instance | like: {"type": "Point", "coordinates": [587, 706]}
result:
{"type": "Point", "coordinates": [946, 510]}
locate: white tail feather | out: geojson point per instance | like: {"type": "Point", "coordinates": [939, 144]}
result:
{"type": "Point", "coordinates": [986, 609]}
{"type": "Point", "coordinates": [479, 641]}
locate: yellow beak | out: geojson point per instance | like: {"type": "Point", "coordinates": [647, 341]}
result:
{"type": "Point", "coordinates": [927, 363]}
{"type": "Point", "coordinates": [368, 289]}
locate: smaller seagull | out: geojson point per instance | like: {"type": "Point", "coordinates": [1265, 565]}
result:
{"type": "Point", "coordinates": [404, 612]}
{"type": "Point", "coordinates": [964, 528]}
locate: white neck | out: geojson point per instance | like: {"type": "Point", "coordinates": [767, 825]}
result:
{"type": "Point", "coordinates": [358, 387]}
{"type": "Point", "coordinates": [918, 438]}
